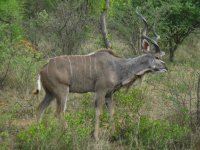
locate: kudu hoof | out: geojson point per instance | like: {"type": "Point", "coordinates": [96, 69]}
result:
{"type": "Point", "coordinates": [94, 136]}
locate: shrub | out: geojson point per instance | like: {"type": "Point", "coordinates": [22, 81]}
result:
{"type": "Point", "coordinates": [151, 134]}
{"type": "Point", "coordinates": [137, 131]}
{"type": "Point", "coordinates": [50, 134]}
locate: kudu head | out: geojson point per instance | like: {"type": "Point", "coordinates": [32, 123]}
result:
{"type": "Point", "coordinates": [153, 57]}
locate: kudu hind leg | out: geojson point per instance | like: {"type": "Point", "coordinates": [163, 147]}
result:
{"type": "Point", "coordinates": [110, 105]}
{"type": "Point", "coordinates": [43, 105]}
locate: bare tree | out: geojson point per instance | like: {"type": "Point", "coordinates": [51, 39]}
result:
{"type": "Point", "coordinates": [61, 31]}
{"type": "Point", "coordinates": [103, 25]}
{"type": "Point", "coordinates": [198, 102]}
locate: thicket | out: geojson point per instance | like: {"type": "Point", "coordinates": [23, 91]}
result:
{"type": "Point", "coordinates": [31, 31]}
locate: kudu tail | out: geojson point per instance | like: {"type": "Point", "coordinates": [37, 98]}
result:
{"type": "Point", "coordinates": [38, 86]}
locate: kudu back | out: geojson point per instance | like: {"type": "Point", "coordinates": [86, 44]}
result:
{"type": "Point", "coordinates": [101, 72]}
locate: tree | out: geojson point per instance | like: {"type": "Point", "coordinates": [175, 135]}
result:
{"type": "Point", "coordinates": [59, 30]}
{"type": "Point", "coordinates": [10, 33]}
{"type": "Point", "coordinates": [125, 23]}
{"type": "Point", "coordinates": [175, 19]}
{"type": "Point", "coordinates": [103, 26]}
{"type": "Point", "coordinates": [10, 20]}
{"type": "Point", "coordinates": [32, 7]}
{"type": "Point", "coordinates": [179, 19]}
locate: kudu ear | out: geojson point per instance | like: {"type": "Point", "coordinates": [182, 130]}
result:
{"type": "Point", "coordinates": [145, 45]}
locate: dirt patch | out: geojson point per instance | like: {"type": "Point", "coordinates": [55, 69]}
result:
{"type": "Point", "coordinates": [2, 103]}
{"type": "Point", "coordinates": [21, 123]}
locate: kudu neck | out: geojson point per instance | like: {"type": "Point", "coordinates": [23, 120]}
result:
{"type": "Point", "coordinates": [135, 66]}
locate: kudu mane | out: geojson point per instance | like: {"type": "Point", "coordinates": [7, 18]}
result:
{"type": "Point", "coordinates": [107, 51]}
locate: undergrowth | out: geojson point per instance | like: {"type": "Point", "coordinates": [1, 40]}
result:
{"type": "Point", "coordinates": [132, 129]}
{"type": "Point", "coordinates": [159, 114]}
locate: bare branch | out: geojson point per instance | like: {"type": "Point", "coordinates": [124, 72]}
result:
{"type": "Point", "coordinates": [103, 25]}
{"type": "Point", "coordinates": [198, 101]}
{"type": "Point", "coordinates": [155, 34]}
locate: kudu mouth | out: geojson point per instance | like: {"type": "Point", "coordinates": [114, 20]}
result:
{"type": "Point", "coordinates": [161, 70]}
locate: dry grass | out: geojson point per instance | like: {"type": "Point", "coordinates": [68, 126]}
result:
{"type": "Point", "coordinates": [164, 97]}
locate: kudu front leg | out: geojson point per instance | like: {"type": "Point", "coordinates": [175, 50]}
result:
{"type": "Point", "coordinates": [60, 112]}
{"type": "Point", "coordinates": [110, 105]}
{"type": "Point", "coordinates": [61, 106]}
{"type": "Point", "coordinates": [99, 101]}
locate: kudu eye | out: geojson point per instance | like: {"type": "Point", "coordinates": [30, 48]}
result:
{"type": "Point", "coordinates": [157, 57]}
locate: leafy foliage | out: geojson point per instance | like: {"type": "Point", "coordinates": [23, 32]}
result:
{"type": "Point", "coordinates": [152, 134]}
{"type": "Point", "coordinates": [31, 31]}
{"type": "Point", "coordinates": [51, 135]}
{"type": "Point", "coordinates": [10, 33]}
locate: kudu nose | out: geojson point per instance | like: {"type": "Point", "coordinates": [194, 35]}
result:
{"type": "Point", "coordinates": [165, 68]}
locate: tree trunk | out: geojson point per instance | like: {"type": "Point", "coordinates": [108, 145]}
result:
{"type": "Point", "coordinates": [198, 102]}
{"type": "Point", "coordinates": [103, 25]}
{"type": "Point", "coordinates": [171, 52]}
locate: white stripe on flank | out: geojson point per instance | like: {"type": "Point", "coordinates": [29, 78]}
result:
{"type": "Point", "coordinates": [70, 66]}
{"type": "Point", "coordinates": [85, 70]}
{"type": "Point", "coordinates": [95, 65]}
{"type": "Point", "coordinates": [48, 69]}
{"type": "Point", "coordinates": [90, 67]}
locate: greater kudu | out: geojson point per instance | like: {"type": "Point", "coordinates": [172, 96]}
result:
{"type": "Point", "coordinates": [101, 72]}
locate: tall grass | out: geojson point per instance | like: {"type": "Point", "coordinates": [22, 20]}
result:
{"type": "Point", "coordinates": [158, 114]}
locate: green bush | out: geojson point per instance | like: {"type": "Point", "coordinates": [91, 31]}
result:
{"type": "Point", "coordinates": [151, 134]}
{"type": "Point", "coordinates": [132, 129]}
{"type": "Point", "coordinates": [137, 131]}
{"type": "Point", "coordinates": [158, 134]}
{"type": "Point", "coordinates": [131, 99]}
{"type": "Point", "coordinates": [37, 136]}
{"type": "Point", "coordinates": [19, 67]}
{"type": "Point", "coordinates": [50, 134]}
